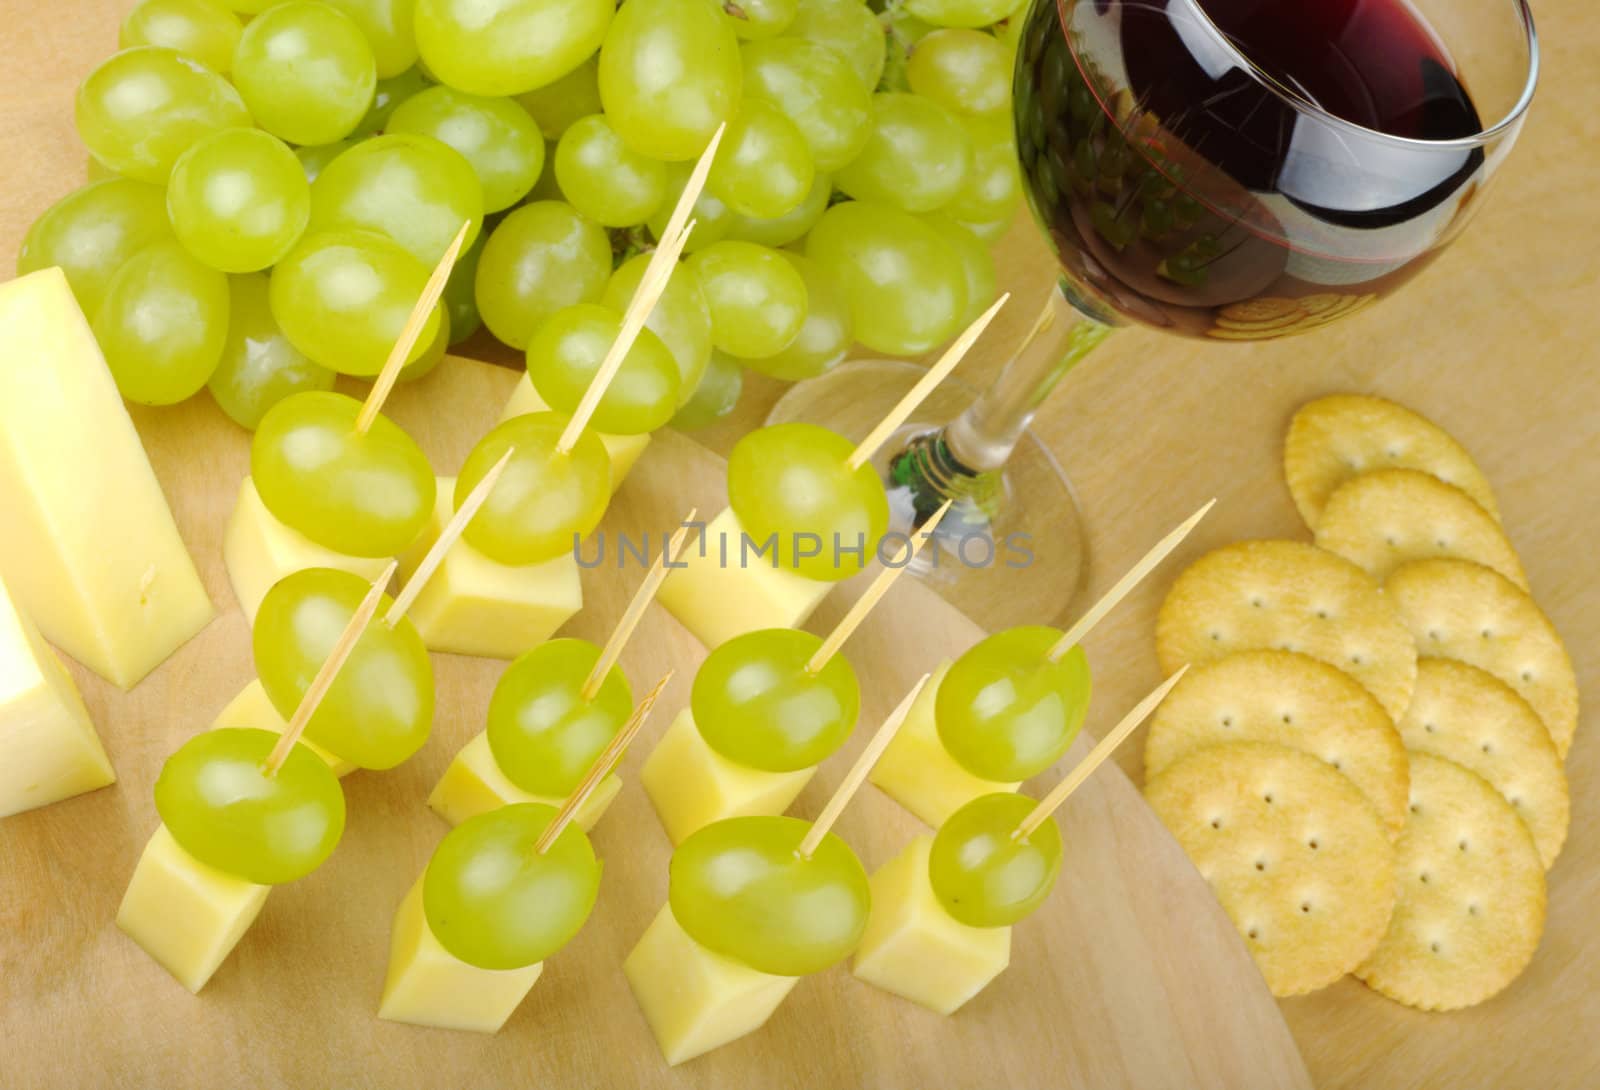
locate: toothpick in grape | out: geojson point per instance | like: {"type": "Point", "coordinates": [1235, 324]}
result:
{"type": "Point", "coordinates": [642, 597]}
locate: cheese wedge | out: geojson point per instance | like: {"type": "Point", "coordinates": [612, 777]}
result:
{"type": "Point", "coordinates": [692, 785]}
{"type": "Point", "coordinates": [253, 709]}
{"type": "Point", "coordinates": [624, 450]}
{"type": "Point", "coordinates": [87, 542]}
{"type": "Point", "coordinates": [427, 985]}
{"type": "Point", "coordinates": [473, 784]}
{"type": "Point", "coordinates": [915, 949]}
{"type": "Point", "coordinates": [696, 999]}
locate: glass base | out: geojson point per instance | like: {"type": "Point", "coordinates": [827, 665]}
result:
{"type": "Point", "coordinates": [1012, 550]}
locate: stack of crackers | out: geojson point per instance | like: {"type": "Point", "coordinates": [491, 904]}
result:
{"type": "Point", "coordinates": [1366, 761]}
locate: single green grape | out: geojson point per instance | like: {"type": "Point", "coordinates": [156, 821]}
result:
{"type": "Point", "coordinates": [669, 75]}
{"type": "Point", "coordinates": [848, 27]}
{"type": "Point", "coordinates": [216, 799]}
{"type": "Point", "coordinates": [142, 108]}
{"type": "Point", "coordinates": [965, 71]}
{"type": "Point", "coordinates": [793, 483]}
{"type": "Point", "coordinates": [711, 217]}
{"type": "Point", "coordinates": [361, 494]}
{"type": "Point", "coordinates": [306, 72]}
{"type": "Point", "coordinates": [962, 13]}
{"type": "Point", "coordinates": [162, 324]}
{"type": "Point", "coordinates": [202, 29]}
{"type": "Point", "coordinates": [565, 353]}
{"type": "Point", "coordinates": [380, 708]}
{"type": "Point", "coordinates": [238, 200]}
{"type": "Point", "coordinates": [315, 157]}
{"type": "Point", "coordinates": [387, 26]}
{"type": "Point", "coordinates": [545, 500]}
{"type": "Point", "coordinates": [681, 318]}
{"type": "Point", "coordinates": [259, 367]}
{"type": "Point", "coordinates": [755, 20]}
{"type": "Point", "coordinates": [542, 257]}
{"type": "Point", "coordinates": [993, 188]}
{"type": "Point", "coordinates": [1005, 712]}
{"type": "Point", "coordinates": [387, 97]}
{"type": "Point", "coordinates": [740, 887]}
{"type": "Point", "coordinates": [432, 356]}
{"type": "Point", "coordinates": [343, 298]}
{"type": "Point", "coordinates": [976, 262]}
{"type": "Point", "coordinates": [507, 47]}
{"type": "Point", "coordinates": [757, 299]}
{"type": "Point", "coordinates": [494, 901]}
{"type": "Point", "coordinates": [916, 158]}
{"type": "Point", "coordinates": [604, 178]}
{"type": "Point", "coordinates": [792, 225]}
{"type": "Point", "coordinates": [249, 7]}
{"type": "Point", "coordinates": [816, 89]}
{"type": "Point", "coordinates": [495, 135]}
{"type": "Point", "coordinates": [824, 338]}
{"type": "Point", "coordinates": [543, 733]}
{"type": "Point", "coordinates": [92, 232]}
{"type": "Point", "coordinates": [763, 166]}
{"type": "Point", "coordinates": [555, 106]}
{"type": "Point", "coordinates": [408, 187]}
{"type": "Point", "coordinates": [460, 299]}
{"type": "Point", "coordinates": [982, 874]}
{"type": "Point", "coordinates": [715, 396]}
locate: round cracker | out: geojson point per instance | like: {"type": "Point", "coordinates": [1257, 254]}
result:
{"type": "Point", "coordinates": [1385, 518]}
{"type": "Point", "coordinates": [1464, 715]}
{"type": "Point", "coordinates": [1264, 308]}
{"type": "Point", "coordinates": [1472, 895]}
{"type": "Point", "coordinates": [1295, 853]}
{"type": "Point", "coordinates": [1335, 438]}
{"type": "Point", "coordinates": [1291, 700]}
{"type": "Point", "coordinates": [1293, 597]}
{"type": "Point", "coordinates": [1464, 611]}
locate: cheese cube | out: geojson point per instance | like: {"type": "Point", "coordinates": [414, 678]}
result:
{"type": "Point", "coordinates": [723, 589]}
{"type": "Point", "coordinates": [919, 773]}
{"type": "Point", "coordinates": [259, 550]}
{"type": "Point", "coordinates": [48, 748]}
{"type": "Point", "coordinates": [87, 541]}
{"type": "Point", "coordinates": [692, 785]}
{"type": "Point", "coordinates": [475, 606]}
{"type": "Point", "coordinates": [253, 709]}
{"type": "Point", "coordinates": [914, 948]}
{"type": "Point", "coordinates": [427, 985]}
{"type": "Point", "coordinates": [186, 915]}
{"type": "Point", "coordinates": [623, 449]}
{"type": "Point", "coordinates": [473, 784]}
{"type": "Point", "coordinates": [696, 999]}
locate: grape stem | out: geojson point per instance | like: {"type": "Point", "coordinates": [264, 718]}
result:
{"type": "Point", "coordinates": [635, 612]}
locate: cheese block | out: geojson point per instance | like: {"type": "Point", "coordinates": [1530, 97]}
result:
{"type": "Point", "coordinates": [719, 588]}
{"type": "Point", "coordinates": [427, 985]}
{"type": "Point", "coordinates": [473, 784]}
{"type": "Point", "coordinates": [87, 542]}
{"type": "Point", "coordinates": [475, 606]}
{"type": "Point", "coordinates": [48, 748]}
{"type": "Point", "coordinates": [692, 785]}
{"type": "Point", "coordinates": [696, 999]}
{"type": "Point", "coordinates": [624, 450]}
{"type": "Point", "coordinates": [919, 773]}
{"type": "Point", "coordinates": [260, 550]}
{"type": "Point", "coordinates": [915, 949]}
{"type": "Point", "coordinates": [253, 709]}
{"type": "Point", "coordinates": [186, 915]}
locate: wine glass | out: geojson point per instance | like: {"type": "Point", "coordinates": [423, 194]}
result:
{"type": "Point", "coordinates": [1229, 170]}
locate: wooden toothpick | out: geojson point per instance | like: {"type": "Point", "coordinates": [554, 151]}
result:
{"type": "Point", "coordinates": [1074, 779]}
{"type": "Point", "coordinates": [635, 612]}
{"type": "Point", "coordinates": [1074, 635]}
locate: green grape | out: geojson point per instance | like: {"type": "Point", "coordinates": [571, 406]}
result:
{"type": "Point", "coordinates": [494, 901]}
{"type": "Point", "coordinates": [259, 367]}
{"type": "Point", "coordinates": [379, 709]}
{"type": "Point", "coordinates": [669, 75]}
{"type": "Point", "coordinates": [905, 284]}
{"type": "Point", "coordinates": [92, 232]}
{"type": "Point", "coordinates": [543, 732]}
{"type": "Point", "coordinates": [792, 225]}
{"type": "Point", "coordinates": [162, 324]}
{"type": "Point", "coordinates": [757, 702]}
{"type": "Point", "coordinates": [423, 365]}
{"type": "Point", "coordinates": [825, 336]}
{"type": "Point", "coordinates": [712, 218]}
{"type": "Point", "coordinates": [763, 167]}
{"type": "Point", "coordinates": [757, 300]}
{"type": "Point", "coordinates": [1006, 712]}
{"type": "Point", "coordinates": [916, 158]}
{"type": "Point", "coordinates": [715, 396]}
{"type": "Point", "coordinates": [976, 263]}
{"type": "Point", "coordinates": [848, 27]}
{"type": "Point", "coordinates": [545, 500]}
{"type": "Point", "coordinates": [495, 135]}
{"type": "Point", "coordinates": [460, 303]}
{"type": "Point", "coordinates": [96, 171]}
{"type": "Point", "coordinates": [306, 72]}
{"type": "Point", "coordinates": [546, 188]}
{"type": "Point", "coordinates": [238, 200]}
{"type": "Point", "coordinates": [604, 178]}
{"type": "Point", "coordinates": [962, 13]}
{"type": "Point", "coordinates": [508, 47]}
{"type": "Point", "coordinates": [565, 353]}
{"type": "Point", "coordinates": [314, 158]}
{"type": "Point", "coordinates": [542, 257]}
{"type": "Point", "coordinates": [216, 799]}
{"type": "Point", "coordinates": [143, 107]}
{"type": "Point", "coordinates": [386, 24]}
{"type": "Point", "coordinates": [789, 481]}
{"type": "Point", "coordinates": [387, 97]}
{"type": "Point", "coordinates": [985, 877]}
{"type": "Point", "coordinates": [201, 29]}
{"type": "Point", "coordinates": [557, 105]}
{"type": "Point", "coordinates": [741, 888]}
{"type": "Point", "coordinates": [965, 71]}
{"type": "Point", "coordinates": [412, 188]}
{"type": "Point", "coordinates": [681, 317]}
{"type": "Point", "coordinates": [358, 493]}
{"type": "Point", "coordinates": [250, 7]}
{"type": "Point", "coordinates": [993, 188]}
{"type": "Point", "coordinates": [754, 20]}
{"type": "Point", "coordinates": [814, 88]}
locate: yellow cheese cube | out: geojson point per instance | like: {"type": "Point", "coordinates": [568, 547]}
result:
{"type": "Point", "coordinates": [919, 773]}
{"type": "Point", "coordinates": [723, 589]}
{"type": "Point", "coordinates": [87, 541]}
{"type": "Point", "coordinates": [427, 985]}
{"type": "Point", "coordinates": [186, 915]}
{"type": "Point", "coordinates": [693, 785]}
{"type": "Point", "coordinates": [696, 999]}
{"type": "Point", "coordinates": [474, 606]}
{"type": "Point", "coordinates": [253, 709]}
{"type": "Point", "coordinates": [260, 550]}
{"type": "Point", "coordinates": [623, 449]}
{"type": "Point", "coordinates": [48, 748]}
{"type": "Point", "coordinates": [473, 784]}
{"type": "Point", "coordinates": [914, 948]}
